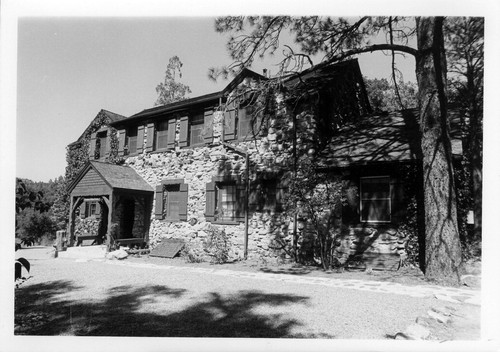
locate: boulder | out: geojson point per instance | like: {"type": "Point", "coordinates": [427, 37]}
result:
{"type": "Point", "coordinates": [118, 254]}
{"type": "Point", "coordinates": [417, 332]}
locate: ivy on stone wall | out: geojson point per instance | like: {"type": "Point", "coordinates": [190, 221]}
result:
{"type": "Point", "coordinates": [77, 156]}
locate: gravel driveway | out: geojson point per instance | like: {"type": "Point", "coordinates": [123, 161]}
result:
{"type": "Point", "coordinates": [98, 298]}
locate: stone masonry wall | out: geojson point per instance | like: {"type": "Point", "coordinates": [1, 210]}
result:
{"type": "Point", "coordinates": [196, 166]}
{"type": "Point", "coordinates": [270, 235]}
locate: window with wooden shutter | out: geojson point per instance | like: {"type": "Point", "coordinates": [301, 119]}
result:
{"type": "Point", "coordinates": [171, 200]}
{"type": "Point", "coordinates": [230, 123]}
{"type": "Point", "coordinates": [122, 134]}
{"type": "Point", "coordinates": [208, 128]}
{"type": "Point", "coordinates": [162, 135]}
{"type": "Point", "coordinates": [375, 199]}
{"type": "Point", "coordinates": [92, 147]}
{"type": "Point", "coordinates": [210, 202]}
{"type": "Point", "coordinates": [131, 141]}
{"type": "Point", "coordinates": [249, 125]}
{"type": "Point", "coordinates": [171, 134]}
{"type": "Point", "coordinates": [184, 131]}
{"type": "Point", "coordinates": [196, 123]}
{"type": "Point", "coordinates": [101, 145]}
{"type": "Point", "coordinates": [107, 150]}
{"type": "Point", "coordinates": [225, 201]}
{"type": "Point", "coordinates": [150, 137]}
{"type": "Point", "coordinates": [159, 202]}
{"type": "Point", "coordinates": [140, 139]}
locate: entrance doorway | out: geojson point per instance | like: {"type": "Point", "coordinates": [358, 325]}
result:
{"type": "Point", "coordinates": [128, 218]}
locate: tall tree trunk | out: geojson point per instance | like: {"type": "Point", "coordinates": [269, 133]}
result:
{"type": "Point", "coordinates": [442, 245]}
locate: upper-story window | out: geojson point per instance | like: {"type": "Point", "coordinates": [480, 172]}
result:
{"type": "Point", "coordinates": [101, 145]}
{"type": "Point", "coordinates": [161, 135]}
{"type": "Point", "coordinates": [196, 124]}
{"type": "Point", "coordinates": [131, 142]}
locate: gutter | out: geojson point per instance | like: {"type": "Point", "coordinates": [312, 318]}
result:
{"type": "Point", "coordinates": [247, 191]}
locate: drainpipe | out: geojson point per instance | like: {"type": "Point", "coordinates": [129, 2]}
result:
{"type": "Point", "coordinates": [247, 192]}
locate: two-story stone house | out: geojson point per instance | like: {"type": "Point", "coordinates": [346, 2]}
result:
{"type": "Point", "coordinates": [218, 159]}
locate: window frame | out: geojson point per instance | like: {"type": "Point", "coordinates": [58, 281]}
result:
{"type": "Point", "coordinates": [183, 188]}
{"type": "Point", "coordinates": [388, 198]}
{"type": "Point", "coordinates": [127, 144]}
{"type": "Point", "coordinates": [101, 139]}
{"type": "Point", "coordinates": [200, 125]}
{"type": "Point", "coordinates": [157, 130]}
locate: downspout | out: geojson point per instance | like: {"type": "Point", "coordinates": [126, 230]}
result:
{"type": "Point", "coordinates": [247, 193]}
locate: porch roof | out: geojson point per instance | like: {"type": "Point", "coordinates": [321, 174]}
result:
{"type": "Point", "coordinates": [114, 176]}
{"type": "Point", "coordinates": [383, 138]}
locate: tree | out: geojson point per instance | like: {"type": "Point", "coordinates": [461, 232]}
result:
{"type": "Point", "coordinates": [383, 97]}
{"type": "Point", "coordinates": [338, 39]}
{"type": "Point", "coordinates": [465, 57]}
{"type": "Point", "coordinates": [170, 91]}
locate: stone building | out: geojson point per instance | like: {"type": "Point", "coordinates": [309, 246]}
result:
{"type": "Point", "coordinates": [220, 160]}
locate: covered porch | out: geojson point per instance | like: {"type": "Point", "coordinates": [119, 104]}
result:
{"type": "Point", "coordinates": [109, 204]}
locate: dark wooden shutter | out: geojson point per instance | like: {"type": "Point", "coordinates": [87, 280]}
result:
{"type": "Point", "coordinates": [183, 202]}
{"type": "Point", "coordinates": [159, 202]}
{"type": "Point", "coordinates": [230, 123]}
{"type": "Point", "coordinates": [240, 201]}
{"type": "Point", "coordinates": [150, 137]}
{"type": "Point", "coordinates": [93, 139]}
{"type": "Point", "coordinates": [121, 142]}
{"type": "Point", "coordinates": [140, 139]}
{"type": "Point", "coordinates": [108, 144]}
{"type": "Point", "coordinates": [183, 138]}
{"type": "Point", "coordinates": [171, 134]}
{"type": "Point", "coordinates": [209, 128]}
{"type": "Point", "coordinates": [82, 210]}
{"type": "Point", "coordinates": [210, 201]}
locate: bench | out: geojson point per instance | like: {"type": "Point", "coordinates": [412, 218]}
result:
{"type": "Point", "coordinates": [129, 241]}
{"type": "Point", "coordinates": [86, 237]}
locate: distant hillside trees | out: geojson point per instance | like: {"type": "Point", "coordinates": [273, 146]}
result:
{"type": "Point", "coordinates": [35, 218]}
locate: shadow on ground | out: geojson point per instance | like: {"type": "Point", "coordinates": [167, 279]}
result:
{"type": "Point", "coordinates": [39, 311]}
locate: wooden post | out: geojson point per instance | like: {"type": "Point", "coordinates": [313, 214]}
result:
{"type": "Point", "coordinates": [109, 203]}
{"type": "Point", "coordinates": [71, 221]}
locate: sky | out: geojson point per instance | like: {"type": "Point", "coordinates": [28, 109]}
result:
{"type": "Point", "coordinates": [71, 68]}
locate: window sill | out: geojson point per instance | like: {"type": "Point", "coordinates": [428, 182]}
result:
{"type": "Point", "coordinates": [218, 222]}
{"type": "Point", "coordinates": [171, 220]}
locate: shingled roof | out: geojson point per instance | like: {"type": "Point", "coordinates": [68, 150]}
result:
{"type": "Point", "coordinates": [116, 176]}
{"type": "Point", "coordinates": [382, 138]}
{"type": "Point", "coordinates": [113, 117]}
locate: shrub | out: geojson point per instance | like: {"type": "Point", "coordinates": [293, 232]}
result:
{"type": "Point", "coordinates": [191, 255]}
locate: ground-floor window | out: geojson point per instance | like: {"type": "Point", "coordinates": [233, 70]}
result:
{"type": "Point", "coordinates": [171, 200]}
{"type": "Point", "coordinates": [375, 199]}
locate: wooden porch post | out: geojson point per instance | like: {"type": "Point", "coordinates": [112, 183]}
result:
{"type": "Point", "coordinates": [71, 221]}
{"type": "Point", "coordinates": [109, 203]}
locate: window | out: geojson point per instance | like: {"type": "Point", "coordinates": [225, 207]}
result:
{"type": "Point", "coordinates": [132, 140]}
{"type": "Point", "coordinates": [100, 145]}
{"type": "Point", "coordinates": [171, 200]}
{"type": "Point", "coordinates": [375, 199]}
{"type": "Point", "coordinates": [161, 135]}
{"type": "Point", "coordinates": [263, 196]}
{"type": "Point", "coordinates": [90, 208]}
{"type": "Point", "coordinates": [196, 128]}
{"type": "Point", "coordinates": [225, 200]}
{"type": "Point", "coordinates": [247, 127]}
